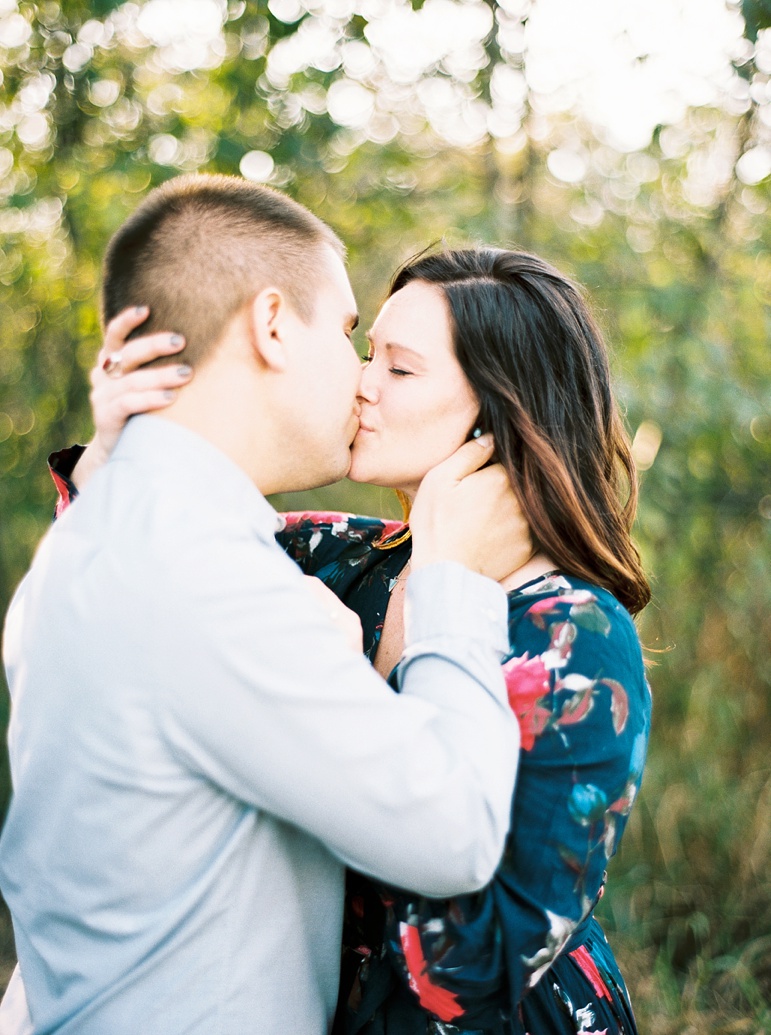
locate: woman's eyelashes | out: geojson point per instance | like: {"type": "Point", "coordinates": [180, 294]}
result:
{"type": "Point", "coordinates": [397, 371]}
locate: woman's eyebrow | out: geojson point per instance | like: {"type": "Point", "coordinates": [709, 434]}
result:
{"type": "Point", "coordinates": [394, 345]}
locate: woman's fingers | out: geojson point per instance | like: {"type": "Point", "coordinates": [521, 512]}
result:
{"type": "Point", "coordinates": [121, 386]}
{"type": "Point", "coordinates": [128, 356]}
{"type": "Point", "coordinates": [138, 351]}
{"type": "Point", "coordinates": [119, 328]}
{"type": "Point", "coordinates": [118, 356]}
{"type": "Point", "coordinates": [130, 403]}
{"type": "Point", "coordinates": [115, 399]}
{"type": "Point", "coordinates": [148, 379]}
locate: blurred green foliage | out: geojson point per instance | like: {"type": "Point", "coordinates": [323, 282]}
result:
{"type": "Point", "coordinates": [673, 243]}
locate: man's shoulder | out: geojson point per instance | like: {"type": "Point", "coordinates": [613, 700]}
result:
{"type": "Point", "coordinates": [154, 533]}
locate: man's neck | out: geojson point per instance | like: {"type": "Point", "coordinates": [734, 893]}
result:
{"type": "Point", "coordinates": [221, 407]}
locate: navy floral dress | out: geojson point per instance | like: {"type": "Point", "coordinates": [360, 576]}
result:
{"type": "Point", "coordinates": [524, 956]}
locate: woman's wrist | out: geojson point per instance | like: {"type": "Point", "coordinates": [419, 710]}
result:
{"type": "Point", "coordinates": [93, 457]}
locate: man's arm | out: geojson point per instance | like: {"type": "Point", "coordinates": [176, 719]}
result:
{"type": "Point", "coordinates": [412, 788]}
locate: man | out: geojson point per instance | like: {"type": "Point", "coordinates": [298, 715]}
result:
{"type": "Point", "coordinates": [196, 752]}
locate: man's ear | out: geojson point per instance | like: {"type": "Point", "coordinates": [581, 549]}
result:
{"type": "Point", "coordinates": [268, 319]}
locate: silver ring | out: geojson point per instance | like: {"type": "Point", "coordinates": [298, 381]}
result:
{"type": "Point", "coordinates": [112, 366]}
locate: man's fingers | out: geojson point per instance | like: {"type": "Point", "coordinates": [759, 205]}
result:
{"type": "Point", "coordinates": [490, 479]}
{"type": "Point", "coordinates": [320, 591]}
{"type": "Point", "coordinates": [465, 460]}
{"type": "Point", "coordinates": [493, 484]}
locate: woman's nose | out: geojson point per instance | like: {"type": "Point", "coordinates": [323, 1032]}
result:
{"type": "Point", "coordinates": [367, 387]}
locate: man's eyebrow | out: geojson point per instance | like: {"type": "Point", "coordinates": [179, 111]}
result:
{"type": "Point", "coordinates": [353, 319]}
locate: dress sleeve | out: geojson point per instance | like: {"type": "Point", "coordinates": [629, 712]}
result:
{"type": "Point", "coordinates": [575, 680]}
{"type": "Point", "coordinates": [61, 464]}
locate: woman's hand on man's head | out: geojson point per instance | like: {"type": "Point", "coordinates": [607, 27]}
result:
{"type": "Point", "coordinates": [120, 387]}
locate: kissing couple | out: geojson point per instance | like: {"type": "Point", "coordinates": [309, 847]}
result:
{"type": "Point", "coordinates": [218, 712]}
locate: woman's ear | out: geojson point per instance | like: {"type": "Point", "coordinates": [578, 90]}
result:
{"type": "Point", "coordinates": [267, 318]}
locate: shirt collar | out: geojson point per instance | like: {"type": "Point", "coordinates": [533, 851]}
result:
{"type": "Point", "coordinates": [182, 454]}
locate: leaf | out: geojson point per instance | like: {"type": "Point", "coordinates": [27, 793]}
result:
{"type": "Point", "coordinates": [610, 834]}
{"type": "Point", "coordinates": [570, 859]}
{"type": "Point", "coordinates": [757, 16]}
{"type": "Point", "coordinates": [619, 704]}
{"type": "Point", "coordinates": [576, 707]}
{"type": "Point", "coordinates": [591, 617]}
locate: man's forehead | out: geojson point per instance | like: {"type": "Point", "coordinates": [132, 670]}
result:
{"type": "Point", "coordinates": [337, 275]}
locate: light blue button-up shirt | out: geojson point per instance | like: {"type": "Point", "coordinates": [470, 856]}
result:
{"type": "Point", "coordinates": [196, 754]}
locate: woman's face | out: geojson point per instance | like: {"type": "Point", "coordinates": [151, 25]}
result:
{"type": "Point", "coordinates": [416, 405]}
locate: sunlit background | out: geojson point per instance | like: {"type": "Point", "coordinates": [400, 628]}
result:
{"type": "Point", "coordinates": [628, 141]}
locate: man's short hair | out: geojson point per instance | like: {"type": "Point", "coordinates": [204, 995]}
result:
{"type": "Point", "coordinates": [200, 247]}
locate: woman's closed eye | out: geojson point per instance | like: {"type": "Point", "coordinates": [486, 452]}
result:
{"type": "Point", "coordinates": [396, 371]}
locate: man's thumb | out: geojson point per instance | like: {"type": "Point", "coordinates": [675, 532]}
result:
{"type": "Point", "coordinates": [467, 459]}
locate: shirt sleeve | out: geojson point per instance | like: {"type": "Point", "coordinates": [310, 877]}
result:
{"type": "Point", "coordinates": [412, 788]}
{"type": "Point", "coordinates": [575, 681]}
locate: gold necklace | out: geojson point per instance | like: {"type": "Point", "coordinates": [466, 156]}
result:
{"type": "Point", "coordinates": [396, 542]}
{"type": "Point", "coordinates": [406, 507]}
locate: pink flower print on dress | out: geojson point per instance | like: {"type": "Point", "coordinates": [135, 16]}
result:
{"type": "Point", "coordinates": [549, 605]}
{"type": "Point", "coordinates": [527, 681]}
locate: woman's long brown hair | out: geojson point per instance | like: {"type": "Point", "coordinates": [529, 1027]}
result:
{"type": "Point", "coordinates": [536, 359]}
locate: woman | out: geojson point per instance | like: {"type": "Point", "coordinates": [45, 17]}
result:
{"type": "Point", "coordinates": [473, 341]}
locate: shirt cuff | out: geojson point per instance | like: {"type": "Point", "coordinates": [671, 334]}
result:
{"type": "Point", "coordinates": [446, 599]}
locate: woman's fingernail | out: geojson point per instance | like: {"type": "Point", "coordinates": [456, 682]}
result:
{"type": "Point", "coordinates": [184, 370]}
{"type": "Point", "coordinates": [176, 341]}
{"type": "Point", "coordinates": [169, 393]}
{"type": "Point", "coordinates": [141, 309]}
{"type": "Point", "coordinates": [485, 440]}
